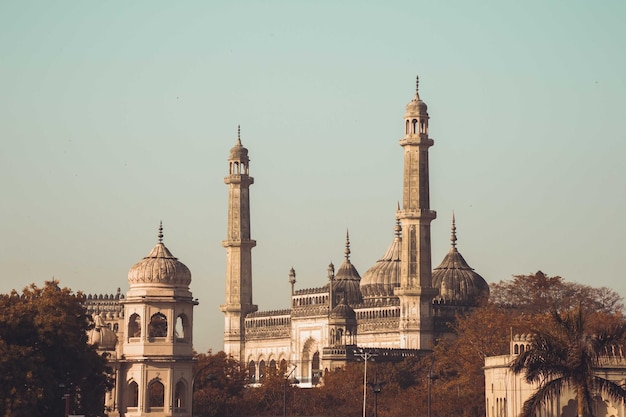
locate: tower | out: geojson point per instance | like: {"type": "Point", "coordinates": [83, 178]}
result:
{"type": "Point", "coordinates": [155, 377]}
{"type": "Point", "coordinates": [416, 291]}
{"type": "Point", "coordinates": [238, 252]}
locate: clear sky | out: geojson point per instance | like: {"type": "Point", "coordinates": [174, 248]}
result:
{"type": "Point", "coordinates": [115, 115]}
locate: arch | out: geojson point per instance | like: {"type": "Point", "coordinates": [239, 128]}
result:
{"type": "Point", "coordinates": [116, 327]}
{"type": "Point", "coordinates": [310, 347]}
{"type": "Point", "coordinates": [132, 394]}
{"type": "Point", "coordinates": [262, 370]}
{"type": "Point", "coordinates": [283, 366]}
{"type": "Point", "coordinates": [273, 367]}
{"type": "Point", "coordinates": [157, 326]}
{"type": "Point", "coordinates": [134, 325]}
{"type": "Point", "coordinates": [182, 329]}
{"type": "Point", "coordinates": [180, 395]}
{"type": "Point", "coordinates": [156, 394]}
{"type": "Point", "coordinates": [516, 349]}
{"type": "Point", "coordinates": [315, 369]}
{"type": "Point", "coordinates": [252, 371]}
{"type": "Point", "coordinates": [408, 126]}
{"type": "Point", "coordinates": [414, 126]}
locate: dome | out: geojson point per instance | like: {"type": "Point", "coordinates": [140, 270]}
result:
{"type": "Point", "coordinates": [160, 267]}
{"type": "Point", "coordinates": [416, 106]}
{"type": "Point", "coordinates": [238, 152]}
{"type": "Point", "coordinates": [347, 280]}
{"type": "Point", "coordinates": [101, 336]}
{"type": "Point", "coordinates": [343, 311]}
{"type": "Point", "coordinates": [380, 280]}
{"type": "Point", "coordinates": [456, 280]}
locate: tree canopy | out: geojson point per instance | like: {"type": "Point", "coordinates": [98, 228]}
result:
{"type": "Point", "coordinates": [44, 354]}
{"type": "Point", "coordinates": [564, 352]}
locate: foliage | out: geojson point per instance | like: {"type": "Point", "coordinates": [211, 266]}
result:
{"type": "Point", "coordinates": [44, 354]}
{"type": "Point", "coordinates": [539, 293]}
{"type": "Point", "coordinates": [219, 385]}
{"type": "Point", "coordinates": [564, 352]}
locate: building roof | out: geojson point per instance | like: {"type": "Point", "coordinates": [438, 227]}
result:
{"type": "Point", "coordinates": [456, 280]}
{"type": "Point", "coordinates": [160, 267]}
{"type": "Point", "coordinates": [380, 280]}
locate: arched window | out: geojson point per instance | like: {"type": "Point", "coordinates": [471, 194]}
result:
{"type": "Point", "coordinates": [181, 329]}
{"type": "Point", "coordinates": [414, 126]}
{"type": "Point", "coordinates": [134, 325]}
{"type": "Point", "coordinates": [116, 327]}
{"type": "Point", "coordinates": [315, 368]}
{"type": "Point", "coordinates": [252, 371]}
{"type": "Point", "coordinates": [262, 370]}
{"type": "Point", "coordinates": [273, 368]}
{"type": "Point", "coordinates": [133, 394]}
{"type": "Point", "coordinates": [157, 326]}
{"type": "Point", "coordinates": [283, 366]}
{"type": "Point", "coordinates": [407, 127]}
{"type": "Point", "coordinates": [156, 394]}
{"type": "Point", "coordinates": [180, 395]}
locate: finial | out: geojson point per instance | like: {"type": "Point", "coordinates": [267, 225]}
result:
{"type": "Point", "coordinates": [160, 235]}
{"type": "Point", "coordinates": [347, 250]}
{"type": "Point", "coordinates": [397, 228]}
{"type": "Point", "coordinates": [417, 84]}
{"type": "Point", "coordinates": [238, 134]}
{"type": "Point", "coordinates": [453, 236]}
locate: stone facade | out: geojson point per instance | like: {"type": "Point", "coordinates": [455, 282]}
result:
{"type": "Point", "coordinates": [148, 337]}
{"type": "Point", "coordinates": [505, 392]}
{"type": "Point", "coordinates": [400, 306]}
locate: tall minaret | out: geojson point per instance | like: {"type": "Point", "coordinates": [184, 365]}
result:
{"type": "Point", "coordinates": [238, 252]}
{"type": "Point", "coordinates": [415, 291]}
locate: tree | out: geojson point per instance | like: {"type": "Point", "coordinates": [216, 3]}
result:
{"type": "Point", "coordinates": [564, 351]}
{"type": "Point", "coordinates": [44, 354]}
{"type": "Point", "coordinates": [219, 385]}
{"type": "Point", "coordinates": [539, 293]}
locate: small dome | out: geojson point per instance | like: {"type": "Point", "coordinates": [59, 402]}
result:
{"type": "Point", "coordinates": [381, 279]}
{"type": "Point", "coordinates": [101, 336]}
{"type": "Point", "coordinates": [239, 152]}
{"type": "Point", "coordinates": [456, 280]}
{"type": "Point", "coordinates": [160, 267]}
{"type": "Point", "coordinates": [343, 311]}
{"type": "Point", "coordinates": [347, 280]}
{"type": "Point", "coordinates": [416, 106]}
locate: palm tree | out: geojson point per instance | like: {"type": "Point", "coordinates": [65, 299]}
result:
{"type": "Point", "coordinates": [564, 353]}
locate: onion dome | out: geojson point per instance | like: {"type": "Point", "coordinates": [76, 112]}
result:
{"type": "Point", "coordinates": [347, 279]}
{"type": "Point", "coordinates": [456, 280]}
{"type": "Point", "coordinates": [380, 280]}
{"type": "Point", "coordinates": [101, 336]}
{"type": "Point", "coordinates": [159, 268]}
{"type": "Point", "coordinates": [416, 106]}
{"type": "Point", "coordinates": [239, 152]}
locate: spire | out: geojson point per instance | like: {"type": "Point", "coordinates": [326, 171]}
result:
{"type": "Point", "coordinates": [239, 135]}
{"type": "Point", "coordinates": [417, 86]}
{"type": "Point", "coordinates": [347, 250]}
{"type": "Point", "coordinates": [453, 236]}
{"type": "Point", "coordinates": [160, 235]}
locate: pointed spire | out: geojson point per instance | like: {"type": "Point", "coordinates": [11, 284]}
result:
{"type": "Point", "coordinates": [453, 236]}
{"type": "Point", "coordinates": [417, 85]}
{"type": "Point", "coordinates": [160, 235]}
{"type": "Point", "coordinates": [239, 135]}
{"type": "Point", "coordinates": [347, 250]}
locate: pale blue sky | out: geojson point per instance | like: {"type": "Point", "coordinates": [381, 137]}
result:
{"type": "Point", "coordinates": [116, 115]}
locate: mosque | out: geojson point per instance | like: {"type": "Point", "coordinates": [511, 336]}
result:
{"type": "Point", "coordinates": [399, 308]}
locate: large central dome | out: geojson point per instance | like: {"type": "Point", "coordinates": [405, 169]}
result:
{"type": "Point", "coordinates": [159, 268]}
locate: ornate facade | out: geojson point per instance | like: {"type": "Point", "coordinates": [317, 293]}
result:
{"type": "Point", "coordinates": [505, 392]}
{"type": "Point", "coordinates": [400, 306]}
{"type": "Point", "coordinates": [148, 338]}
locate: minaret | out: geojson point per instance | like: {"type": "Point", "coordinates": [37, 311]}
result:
{"type": "Point", "coordinates": [238, 252]}
{"type": "Point", "coordinates": [415, 291]}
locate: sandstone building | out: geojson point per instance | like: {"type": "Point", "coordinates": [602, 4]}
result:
{"type": "Point", "coordinates": [400, 306]}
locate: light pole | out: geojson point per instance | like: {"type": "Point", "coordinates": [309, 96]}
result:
{"type": "Point", "coordinates": [377, 387]}
{"type": "Point", "coordinates": [365, 355]}
{"type": "Point", "coordinates": [285, 391]}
